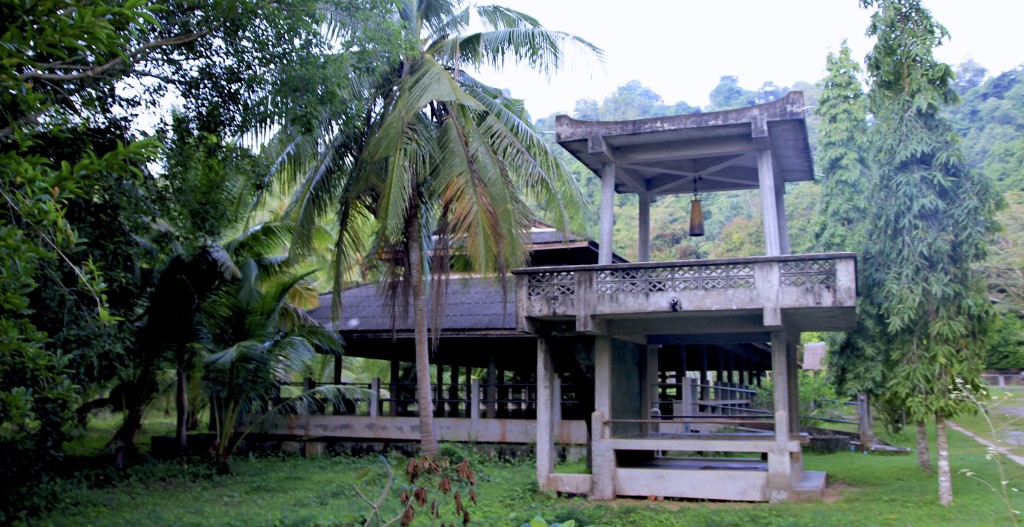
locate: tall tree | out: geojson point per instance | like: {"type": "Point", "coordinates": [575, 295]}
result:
{"type": "Point", "coordinates": [843, 156]}
{"type": "Point", "coordinates": [930, 224]}
{"type": "Point", "coordinates": [444, 163]}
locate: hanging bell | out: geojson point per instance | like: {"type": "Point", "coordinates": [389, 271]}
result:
{"type": "Point", "coordinates": [696, 217]}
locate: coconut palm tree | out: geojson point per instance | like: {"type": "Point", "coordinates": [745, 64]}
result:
{"type": "Point", "coordinates": [442, 166]}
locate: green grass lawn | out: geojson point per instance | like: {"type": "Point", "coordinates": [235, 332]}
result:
{"type": "Point", "coordinates": [865, 490]}
{"type": "Point", "coordinates": [1006, 413]}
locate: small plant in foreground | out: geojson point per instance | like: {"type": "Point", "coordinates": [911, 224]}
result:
{"type": "Point", "coordinates": [540, 522]}
{"type": "Point", "coordinates": [426, 474]}
{"type": "Point", "coordinates": [1003, 490]}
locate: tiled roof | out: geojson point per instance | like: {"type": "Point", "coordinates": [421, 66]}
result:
{"type": "Point", "coordinates": [473, 304]}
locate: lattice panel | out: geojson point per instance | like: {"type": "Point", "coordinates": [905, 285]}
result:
{"type": "Point", "coordinates": [663, 279]}
{"type": "Point", "coordinates": [808, 273]}
{"type": "Point", "coordinates": [551, 284]}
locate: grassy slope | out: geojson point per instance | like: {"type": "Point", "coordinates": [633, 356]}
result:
{"type": "Point", "coordinates": [871, 490]}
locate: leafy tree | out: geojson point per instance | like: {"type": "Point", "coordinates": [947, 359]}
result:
{"type": "Point", "coordinates": [255, 334]}
{"type": "Point", "coordinates": [969, 75]}
{"type": "Point", "coordinates": [843, 156]}
{"type": "Point", "coordinates": [728, 94]}
{"type": "Point", "coordinates": [444, 163]}
{"type": "Point", "coordinates": [931, 222]}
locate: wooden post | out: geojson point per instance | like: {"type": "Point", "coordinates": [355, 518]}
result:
{"type": "Point", "coordinates": [864, 421]}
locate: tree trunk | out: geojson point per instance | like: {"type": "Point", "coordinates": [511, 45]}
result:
{"type": "Point", "coordinates": [125, 450]}
{"type": "Point", "coordinates": [924, 459]}
{"type": "Point", "coordinates": [942, 445]}
{"type": "Point", "coordinates": [181, 402]}
{"type": "Point", "coordinates": [423, 392]}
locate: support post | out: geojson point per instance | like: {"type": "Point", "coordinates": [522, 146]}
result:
{"type": "Point", "coordinates": [649, 384]}
{"type": "Point", "coordinates": [864, 421]}
{"type": "Point", "coordinates": [395, 377]}
{"type": "Point", "coordinates": [545, 425]}
{"type": "Point", "coordinates": [492, 388]}
{"type": "Point", "coordinates": [793, 340]}
{"type": "Point", "coordinates": [607, 220]}
{"type": "Point", "coordinates": [769, 207]}
{"type": "Point", "coordinates": [439, 390]}
{"type": "Point", "coordinates": [780, 469]}
{"type": "Point", "coordinates": [375, 397]}
{"type": "Point", "coordinates": [780, 214]}
{"type": "Point", "coordinates": [603, 473]}
{"type": "Point", "coordinates": [603, 374]}
{"type": "Point", "coordinates": [556, 403]}
{"type": "Point", "coordinates": [474, 401]}
{"type": "Point", "coordinates": [644, 230]}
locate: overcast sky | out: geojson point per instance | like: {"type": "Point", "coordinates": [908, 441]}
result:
{"type": "Point", "coordinates": [680, 48]}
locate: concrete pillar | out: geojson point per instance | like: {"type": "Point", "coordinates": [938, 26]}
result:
{"type": "Point", "coordinates": [375, 397]}
{"type": "Point", "coordinates": [644, 234]}
{"type": "Point", "coordinates": [603, 472]}
{"type": "Point", "coordinates": [556, 408]}
{"type": "Point", "coordinates": [474, 401]}
{"type": "Point", "coordinates": [793, 341]}
{"type": "Point", "coordinates": [780, 468]}
{"type": "Point", "coordinates": [492, 389]}
{"type": "Point", "coordinates": [545, 423]}
{"type": "Point", "coordinates": [607, 222]}
{"type": "Point", "coordinates": [780, 213]}
{"type": "Point", "coordinates": [438, 389]}
{"type": "Point", "coordinates": [649, 393]}
{"type": "Point", "coordinates": [395, 375]}
{"type": "Point", "coordinates": [769, 207]}
{"type": "Point", "coordinates": [687, 389]}
{"type": "Point", "coordinates": [603, 375]}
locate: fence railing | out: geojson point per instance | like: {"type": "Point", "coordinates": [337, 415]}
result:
{"type": "Point", "coordinates": [473, 400]}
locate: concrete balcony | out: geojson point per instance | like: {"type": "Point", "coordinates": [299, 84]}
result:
{"type": "Point", "coordinates": [814, 292]}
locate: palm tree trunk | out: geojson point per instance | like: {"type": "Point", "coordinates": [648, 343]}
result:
{"type": "Point", "coordinates": [942, 445]}
{"type": "Point", "coordinates": [424, 401]}
{"type": "Point", "coordinates": [924, 459]}
{"type": "Point", "coordinates": [181, 433]}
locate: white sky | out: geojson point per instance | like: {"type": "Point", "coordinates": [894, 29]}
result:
{"type": "Point", "coordinates": [680, 48]}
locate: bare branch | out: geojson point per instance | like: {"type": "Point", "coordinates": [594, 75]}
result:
{"type": "Point", "coordinates": [103, 68]}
